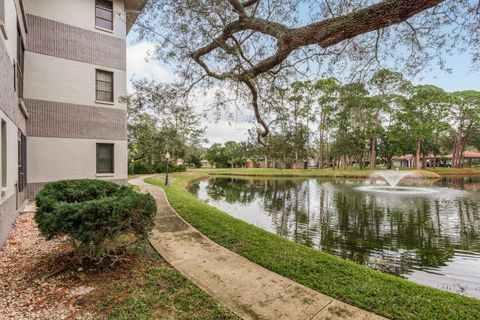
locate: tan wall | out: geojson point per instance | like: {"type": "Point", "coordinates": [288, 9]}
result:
{"type": "Point", "coordinates": [12, 157]}
{"type": "Point", "coordinates": [64, 41]}
{"type": "Point", "coordinates": [10, 28]}
{"type": "Point", "coordinates": [51, 159]}
{"type": "Point", "coordinates": [8, 215]}
{"type": "Point", "coordinates": [54, 79]}
{"type": "Point", "coordinates": [64, 120]}
{"type": "Point", "coordinates": [79, 13]}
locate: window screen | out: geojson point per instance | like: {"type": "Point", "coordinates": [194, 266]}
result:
{"type": "Point", "coordinates": [104, 158]}
{"type": "Point", "coordinates": [104, 86]}
{"type": "Point", "coordinates": [104, 14]}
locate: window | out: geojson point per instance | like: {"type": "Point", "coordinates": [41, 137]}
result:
{"type": "Point", "coordinates": [104, 158]}
{"type": "Point", "coordinates": [4, 153]}
{"type": "Point", "coordinates": [22, 161]}
{"type": "Point", "coordinates": [104, 86]}
{"type": "Point", "coordinates": [104, 14]}
{"type": "Point", "coordinates": [20, 62]}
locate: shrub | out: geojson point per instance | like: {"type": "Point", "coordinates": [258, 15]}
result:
{"type": "Point", "coordinates": [162, 168]}
{"type": "Point", "coordinates": [139, 167]}
{"type": "Point", "coordinates": [100, 218]}
{"type": "Point", "coordinates": [181, 168]}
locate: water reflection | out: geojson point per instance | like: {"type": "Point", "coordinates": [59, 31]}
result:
{"type": "Point", "coordinates": [425, 237]}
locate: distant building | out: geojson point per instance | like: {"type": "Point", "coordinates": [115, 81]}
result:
{"type": "Point", "coordinates": [408, 160]}
{"type": "Point", "coordinates": [206, 164]}
{"type": "Point", "coordinates": [469, 157]}
{"type": "Point", "coordinates": [405, 161]}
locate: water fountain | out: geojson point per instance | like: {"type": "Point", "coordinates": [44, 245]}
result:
{"type": "Point", "coordinates": [393, 178]}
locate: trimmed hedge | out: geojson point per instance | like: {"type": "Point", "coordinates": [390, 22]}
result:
{"type": "Point", "coordinates": [141, 167]}
{"type": "Point", "coordinates": [97, 216]}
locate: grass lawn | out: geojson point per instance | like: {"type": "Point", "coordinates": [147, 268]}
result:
{"type": "Point", "coordinates": [366, 288]}
{"type": "Point", "coordinates": [454, 172]}
{"type": "Point", "coordinates": [149, 288]}
{"type": "Point", "coordinates": [348, 173]}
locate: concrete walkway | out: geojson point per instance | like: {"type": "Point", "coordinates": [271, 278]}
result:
{"type": "Point", "coordinates": [246, 288]}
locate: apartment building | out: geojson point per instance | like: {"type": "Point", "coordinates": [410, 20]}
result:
{"type": "Point", "coordinates": [63, 73]}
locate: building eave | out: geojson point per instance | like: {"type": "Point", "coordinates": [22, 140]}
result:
{"type": "Point", "coordinates": [133, 8]}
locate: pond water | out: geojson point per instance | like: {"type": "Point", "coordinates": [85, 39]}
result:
{"type": "Point", "coordinates": [432, 238]}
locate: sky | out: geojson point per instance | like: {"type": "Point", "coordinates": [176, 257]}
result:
{"type": "Point", "coordinates": [140, 66]}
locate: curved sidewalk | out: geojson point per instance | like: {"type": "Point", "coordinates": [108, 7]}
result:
{"type": "Point", "coordinates": [246, 288]}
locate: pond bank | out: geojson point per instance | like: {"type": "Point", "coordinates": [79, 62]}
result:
{"type": "Point", "coordinates": [351, 283]}
{"type": "Point", "coordinates": [245, 287]}
{"type": "Point", "coordinates": [324, 173]}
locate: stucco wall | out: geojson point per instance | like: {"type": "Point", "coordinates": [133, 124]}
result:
{"type": "Point", "coordinates": [12, 156]}
{"type": "Point", "coordinates": [68, 42]}
{"type": "Point", "coordinates": [66, 123]}
{"type": "Point", "coordinates": [10, 28]}
{"type": "Point", "coordinates": [55, 79]}
{"type": "Point", "coordinates": [8, 215]}
{"type": "Point", "coordinates": [65, 120]}
{"type": "Point", "coordinates": [51, 159]}
{"type": "Point", "coordinates": [8, 96]}
{"type": "Point", "coordinates": [79, 13]}
{"type": "Point", "coordinates": [11, 114]}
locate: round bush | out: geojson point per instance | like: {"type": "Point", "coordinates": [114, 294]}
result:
{"type": "Point", "coordinates": [99, 217]}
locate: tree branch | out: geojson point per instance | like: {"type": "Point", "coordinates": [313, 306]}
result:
{"type": "Point", "coordinates": [256, 107]}
{"type": "Point", "coordinates": [324, 33]}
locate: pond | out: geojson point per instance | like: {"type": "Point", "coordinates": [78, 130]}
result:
{"type": "Point", "coordinates": [432, 238]}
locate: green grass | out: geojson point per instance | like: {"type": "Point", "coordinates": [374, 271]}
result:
{"type": "Point", "coordinates": [455, 172]}
{"type": "Point", "coordinates": [149, 288]}
{"type": "Point", "coordinates": [348, 173]}
{"type": "Point", "coordinates": [152, 289]}
{"type": "Point", "coordinates": [358, 285]}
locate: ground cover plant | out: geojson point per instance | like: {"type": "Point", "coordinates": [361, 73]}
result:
{"type": "Point", "coordinates": [43, 280]}
{"type": "Point", "coordinates": [149, 288]}
{"type": "Point", "coordinates": [366, 288]}
{"type": "Point", "coordinates": [100, 218]}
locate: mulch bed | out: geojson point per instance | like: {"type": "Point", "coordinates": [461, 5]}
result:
{"type": "Point", "coordinates": [35, 279]}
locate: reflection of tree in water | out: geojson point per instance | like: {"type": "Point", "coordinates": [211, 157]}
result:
{"type": "Point", "coordinates": [469, 224]}
{"type": "Point", "coordinates": [194, 188]}
{"type": "Point", "coordinates": [369, 230]}
{"type": "Point", "coordinates": [285, 201]}
{"type": "Point", "coordinates": [388, 233]}
{"type": "Point", "coordinates": [232, 190]}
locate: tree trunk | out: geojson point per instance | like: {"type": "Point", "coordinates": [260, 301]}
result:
{"type": "Point", "coordinates": [320, 151]}
{"type": "Point", "coordinates": [457, 151]}
{"type": "Point", "coordinates": [389, 163]}
{"type": "Point", "coordinates": [462, 150]}
{"type": "Point", "coordinates": [373, 153]}
{"type": "Point", "coordinates": [327, 153]}
{"type": "Point", "coordinates": [418, 163]}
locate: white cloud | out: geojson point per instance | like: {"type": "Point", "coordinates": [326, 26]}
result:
{"type": "Point", "coordinates": [223, 131]}
{"type": "Point", "coordinates": [140, 64]}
